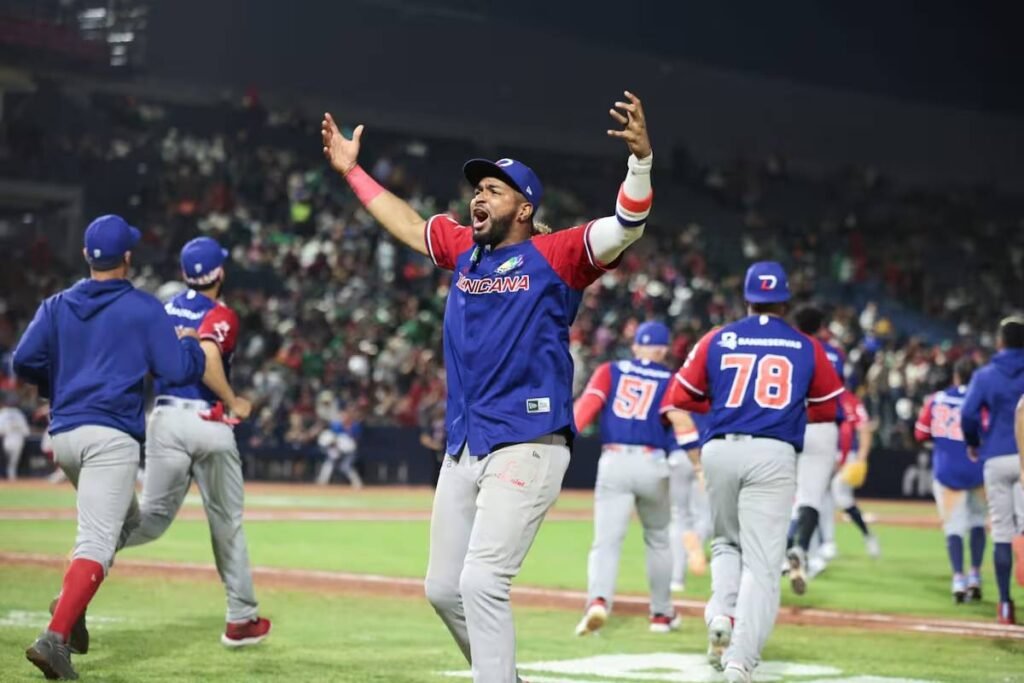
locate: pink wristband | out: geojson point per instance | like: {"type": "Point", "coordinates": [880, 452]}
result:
{"type": "Point", "coordinates": [365, 187]}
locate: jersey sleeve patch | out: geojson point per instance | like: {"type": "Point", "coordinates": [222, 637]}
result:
{"type": "Point", "coordinates": [220, 326]}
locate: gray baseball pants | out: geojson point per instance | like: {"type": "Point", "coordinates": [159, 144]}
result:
{"type": "Point", "coordinates": [628, 477]}
{"type": "Point", "coordinates": [486, 515]}
{"type": "Point", "coordinates": [750, 482]}
{"type": "Point", "coordinates": [101, 463]}
{"type": "Point", "coordinates": [182, 447]}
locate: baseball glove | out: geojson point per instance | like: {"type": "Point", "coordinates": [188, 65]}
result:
{"type": "Point", "coordinates": [854, 473]}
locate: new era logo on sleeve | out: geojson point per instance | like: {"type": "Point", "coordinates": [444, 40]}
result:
{"type": "Point", "coordinates": [538, 405]}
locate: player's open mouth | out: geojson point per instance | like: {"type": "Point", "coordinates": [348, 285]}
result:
{"type": "Point", "coordinates": [480, 219]}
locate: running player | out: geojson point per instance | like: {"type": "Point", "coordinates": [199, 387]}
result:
{"type": "Point", "coordinates": [509, 420]}
{"type": "Point", "coordinates": [632, 472]}
{"type": "Point", "coordinates": [756, 376]}
{"type": "Point", "coordinates": [996, 389]}
{"type": "Point", "coordinates": [691, 513]}
{"type": "Point", "coordinates": [189, 440]}
{"type": "Point", "coordinates": [959, 486]}
{"type": "Point", "coordinates": [89, 349]}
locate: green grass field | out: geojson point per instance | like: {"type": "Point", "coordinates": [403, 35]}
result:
{"type": "Point", "coordinates": [150, 630]}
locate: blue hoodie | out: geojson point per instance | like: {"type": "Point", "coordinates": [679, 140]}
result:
{"type": "Point", "coordinates": [996, 389]}
{"type": "Point", "coordinates": [89, 349]}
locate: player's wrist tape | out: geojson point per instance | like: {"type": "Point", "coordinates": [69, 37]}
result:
{"type": "Point", "coordinates": [635, 193]}
{"type": "Point", "coordinates": [366, 188]}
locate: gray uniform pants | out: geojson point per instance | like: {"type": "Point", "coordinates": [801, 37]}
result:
{"type": "Point", "coordinates": [101, 463]}
{"type": "Point", "coordinates": [690, 510]}
{"type": "Point", "coordinates": [1002, 486]}
{"type": "Point", "coordinates": [180, 447]}
{"type": "Point", "coordinates": [486, 515]}
{"type": "Point", "coordinates": [816, 463]}
{"type": "Point", "coordinates": [629, 476]}
{"type": "Point", "coordinates": [750, 483]}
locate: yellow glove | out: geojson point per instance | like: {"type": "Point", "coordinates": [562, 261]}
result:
{"type": "Point", "coordinates": [854, 473]}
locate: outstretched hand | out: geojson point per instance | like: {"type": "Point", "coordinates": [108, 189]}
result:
{"type": "Point", "coordinates": [631, 116]}
{"type": "Point", "coordinates": [339, 150]}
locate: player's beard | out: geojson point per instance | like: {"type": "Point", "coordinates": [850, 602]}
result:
{"type": "Point", "coordinates": [496, 232]}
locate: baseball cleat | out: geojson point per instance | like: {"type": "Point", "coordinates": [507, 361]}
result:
{"type": "Point", "coordinates": [678, 587]}
{"type": "Point", "coordinates": [52, 656]}
{"type": "Point", "coordinates": [1018, 558]}
{"type": "Point", "coordinates": [873, 547]}
{"type": "Point", "coordinates": [959, 589]}
{"type": "Point", "coordinates": [719, 637]}
{"type": "Point", "coordinates": [245, 633]}
{"type": "Point", "coordinates": [1006, 615]}
{"type": "Point", "coordinates": [737, 673]}
{"type": "Point", "coordinates": [797, 570]}
{"type": "Point", "coordinates": [974, 586]}
{"type": "Point", "coordinates": [828, 551]}
{"type": "Point", "coordinates": [78, 640]}
{"type": "Point", "coordinates": [663, 623]}
{"type": "Point", "coordinates": [594, 618]}
{"type": "Point", "coordinates": [816, 564]}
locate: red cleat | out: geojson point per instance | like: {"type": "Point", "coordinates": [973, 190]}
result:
{"type": "Point", "coordinates": [1006, 614]}
{"type": "Point", "coordinates": [245, 633]}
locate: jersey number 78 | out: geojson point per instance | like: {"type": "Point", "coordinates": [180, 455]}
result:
{"type": "Point", "coordinates": [773, 384]}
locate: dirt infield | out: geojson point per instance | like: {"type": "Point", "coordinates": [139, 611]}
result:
{"type": "Point", "coordinates": [371, 584]}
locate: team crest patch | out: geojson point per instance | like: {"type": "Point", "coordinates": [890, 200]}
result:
{"type": "Point", "coordinates": [509, 265]}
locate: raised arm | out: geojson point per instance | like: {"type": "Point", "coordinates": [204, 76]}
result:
{"type": "Point", "coordinates": [396, 215]}
{"type": "Point", "coordinates": [610, 236]}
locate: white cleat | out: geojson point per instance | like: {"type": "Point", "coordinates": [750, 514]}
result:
{"type": "Point", "coordinates": [678, 587]}
{"type": "Point", "coordinates": [797, 569]}
{"type": "Point", "coordinates": [737, 673]}
{"type": "Point", "coordinates": [873, 547]}
{"type": "Point", "coordinates": [593, 619]}
{"type": "Point", "coordinates": [719, 637]}
{"type": "Point", "coordinates": [816, 565]}
{"type": "Point", "coordinates": [661, 623]}
{"type": "Point", "coordinates": [828, 551]}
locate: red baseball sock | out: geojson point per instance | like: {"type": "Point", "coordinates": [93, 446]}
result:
{"type": "Point", "coordinates": [81, 581]}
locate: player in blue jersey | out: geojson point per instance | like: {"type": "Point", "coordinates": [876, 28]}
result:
{"type": "Point", "coordinates": [514, 295]}
{"type": "Point", "coordinates": [987, 417]}
{"type": "Point", "coordinates": [632, 473]}
{"type": "Point", "coordinates": [756, 377]}
{"type": "Point", "coordinates": [191, 439]}
{"type": "Point", "coordinates": [959, 486]}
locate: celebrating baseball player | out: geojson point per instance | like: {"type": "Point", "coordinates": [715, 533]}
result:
{"type": "Point", "coordinates": [996, 388]}
{"type": "Point", "coordinates": [959, 486]}
{"type": "Point", "coordinates": [509, 419]}
{"type": "Point", "coordinates": [189, 439]}
{"type": "Point", "coordinates": [756, 375]}
{"type": "Point", "coordinates": [88, 349]}
{"type": "Point", "coordinates": [817, 462]}
{"type": "Point", "coordinates": [632, 472]}
{"type": "Point", "coordinates": [691, 514]}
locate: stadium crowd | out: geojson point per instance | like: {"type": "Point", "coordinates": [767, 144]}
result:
{"type": "Point", "coordinates": [335, 314]}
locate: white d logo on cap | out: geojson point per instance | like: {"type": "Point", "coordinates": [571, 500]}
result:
{"type": "Point", "coordinates": [503, 162]}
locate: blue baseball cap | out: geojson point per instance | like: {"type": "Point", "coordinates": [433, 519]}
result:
{"type": "Point", "coordinates": [201, 260]}
{"type": "Point", "coordinates": [515, 173]}
{"type": "Point", "coordinates": [107, 239]}
{"type": "Point", "coordinates": [652, 333]}
{"type": "Point", "coordinates": [766, 283]}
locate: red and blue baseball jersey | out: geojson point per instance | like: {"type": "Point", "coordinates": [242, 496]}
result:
{"type": "Point", "coordinates": [506, 333]}
{"type": "Point", "coordinates": [854, 414]}
{"type": "Point", "coordinates": [631, 393]}
{"type": "Point", "coordinates": [214, 322]}
{"type": "Point", "coordinates": [758, 374]}
{"type": "Point", "coordinates": [835, 356]}
{"type": "Point", "coordinates": [939, 421]}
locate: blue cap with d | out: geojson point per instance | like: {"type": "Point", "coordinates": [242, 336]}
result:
{"type": "Point", "coordinates": [766, 283]}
